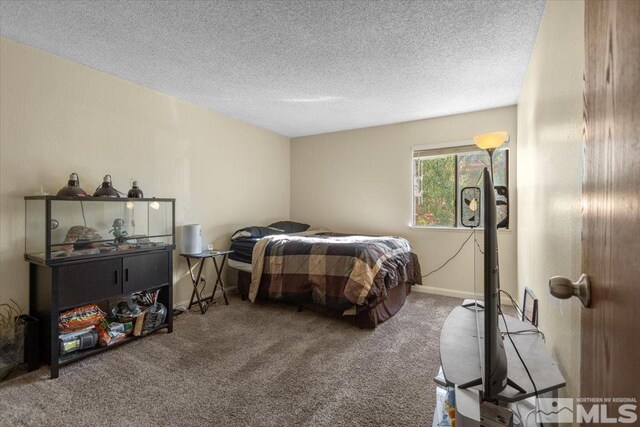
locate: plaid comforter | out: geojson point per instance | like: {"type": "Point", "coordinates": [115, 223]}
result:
{"type": "Point", "coordinates": [335, 271]}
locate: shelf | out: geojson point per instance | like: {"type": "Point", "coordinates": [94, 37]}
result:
{"type": "Point", "coordinates": [63, 308]}
{"type": "Point", "coordinates": [79, 355]}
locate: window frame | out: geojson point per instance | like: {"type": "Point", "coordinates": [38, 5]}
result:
{"type": "Point", "coordinates": [454, 146]}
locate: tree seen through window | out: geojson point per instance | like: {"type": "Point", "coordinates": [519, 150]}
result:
{"type": "Point", "coordinates": [439, 180]}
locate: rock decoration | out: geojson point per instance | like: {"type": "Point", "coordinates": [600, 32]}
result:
{"type": "Point", "coordinates": [79, 233]}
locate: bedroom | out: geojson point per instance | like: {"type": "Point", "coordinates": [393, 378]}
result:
{"type": "Point", "coordinates": [250, 113]}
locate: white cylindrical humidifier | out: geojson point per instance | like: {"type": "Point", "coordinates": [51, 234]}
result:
{"type": "Point", "coordinates": [191, 239]}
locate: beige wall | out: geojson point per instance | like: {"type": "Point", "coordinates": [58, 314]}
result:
{"type": "Point", "coordinates": [59, 117]}
{"type": "Point", "coordinates": [360, 181]}
{"type": "Point", "coordinates": [550, 178]}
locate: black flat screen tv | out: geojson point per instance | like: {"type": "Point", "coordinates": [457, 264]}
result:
{"type": "Point", "coordinates": [493, 375]}
{"type": "Point", "coordinates": [494, 378]}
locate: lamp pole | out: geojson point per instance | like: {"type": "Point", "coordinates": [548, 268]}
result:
{"type": "Point", "coordinates": [490, 151]}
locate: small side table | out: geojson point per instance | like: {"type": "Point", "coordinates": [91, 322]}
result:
{"type": "Point", "coordinates": [202, 257]}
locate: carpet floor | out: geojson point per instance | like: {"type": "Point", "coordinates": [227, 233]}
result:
{"type": "Point", "coordinates": [245, 364]}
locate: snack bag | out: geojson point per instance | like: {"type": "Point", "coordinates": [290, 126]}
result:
{"type": "Point", "coordinates": [126, 311]}
{"type": "Point", "coordinates": [145, 299]}
{"type": "Point", "coordinates": [154, 317]}
{"type": "Point", "coordinates": [80, 318]}
{"type": "Point", "coordinates": [110, 333]}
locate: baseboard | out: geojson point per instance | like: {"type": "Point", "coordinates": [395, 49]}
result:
{"type": "Point", "coordinates": [417, 288]}
{"type": "Point", "coordinates": [452, 293]}
{"type": "Point", "coordinates": [442, 291]}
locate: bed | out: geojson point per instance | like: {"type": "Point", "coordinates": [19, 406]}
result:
{"type": "Point", "coordinates": [364, 279]}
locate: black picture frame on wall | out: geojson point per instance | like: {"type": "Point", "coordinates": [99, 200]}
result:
{"type": "Point", "coordinates": [530, 307]}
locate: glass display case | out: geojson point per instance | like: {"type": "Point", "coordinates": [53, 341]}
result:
{"type": "Point", "coordinates": [64, 228]}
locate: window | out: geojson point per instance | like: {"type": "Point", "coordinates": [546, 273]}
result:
{"type": "Point", "coordinates": [440, 175]}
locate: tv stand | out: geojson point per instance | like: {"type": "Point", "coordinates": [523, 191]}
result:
{"type": "Point", "coordinates": [460, 355]}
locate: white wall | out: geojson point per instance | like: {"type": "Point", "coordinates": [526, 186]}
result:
{"type": "Point", "coordinates": [360, 181]}
{"type": "Point", "coordinates": [59, 117]}
{"type": "Point", "coordinates": [550, 178]}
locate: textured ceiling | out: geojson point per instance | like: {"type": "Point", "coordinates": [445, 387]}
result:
{"type": "Point", "coordinates": [298, 67]}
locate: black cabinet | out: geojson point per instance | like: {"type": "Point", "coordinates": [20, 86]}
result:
{"type": "Point", "coordinates": [89, 281]}
{"type": "Point", "coordinates": [144, 272]}
{"type": "Point", "coordinates": [58, 287]}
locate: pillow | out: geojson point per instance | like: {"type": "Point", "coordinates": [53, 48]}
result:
{"type": "Point", "coordinates": [255, 231]}
{"type": "Point", "coordinates": [290, 226]}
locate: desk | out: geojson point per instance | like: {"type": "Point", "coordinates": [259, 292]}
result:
{"type": "Point", "coordinates": [202, 257]}
{"type": "Point", "coordinates": [461, 355]}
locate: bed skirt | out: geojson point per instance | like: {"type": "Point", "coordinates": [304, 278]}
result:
{"type": "Point", "coordinates": [366, 319]}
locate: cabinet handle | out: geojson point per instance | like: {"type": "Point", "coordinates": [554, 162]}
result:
{"type": "Point", "coordinates": [115, 275]}
{"type": "Point", "coordinates": [126, 274]}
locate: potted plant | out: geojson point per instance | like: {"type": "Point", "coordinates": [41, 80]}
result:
{"type": "Point", "coordinates": [11, 338]}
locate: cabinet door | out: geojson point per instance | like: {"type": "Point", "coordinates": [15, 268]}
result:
{"type": "Point", "coordinates": [145, 271]}
{"type": "Point", "coordinates": [89, 282]}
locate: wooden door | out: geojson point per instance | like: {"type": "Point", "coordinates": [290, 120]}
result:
{"type": "Point", "coordinates": [610, 365]}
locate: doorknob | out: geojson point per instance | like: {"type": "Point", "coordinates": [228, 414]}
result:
{"type": "Point", "coordinates": [563, 288]}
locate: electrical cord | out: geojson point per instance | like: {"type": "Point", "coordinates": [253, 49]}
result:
{"type": "Point", "coordinates": [447, 261]}
{"type": "Point", "coordinates": [203, 280]}
{"type": "Point", "coordinates": [478, 245]}
{"type": "Point", "coordinates": [526, 418]}
{"type": "Point", "coordinates": [535, 389]}
{"type": "Point", "coordinates": [461, 246]}
{"type": "Point", "coordinates": [520, 313]}
{"type": "Point", "coordinates": [526, 332]}
{"type": "Point", "coordinates": [456, 254]}
{"type": "Point", "coordinates": [517, 415]}
{"type": "Point", "coordinates": [513, 301]}
{"type": "Point", "coordinates": [84, 219]}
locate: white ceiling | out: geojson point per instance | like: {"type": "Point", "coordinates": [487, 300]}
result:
{"type": "Point", "coordinates": [298, 67]}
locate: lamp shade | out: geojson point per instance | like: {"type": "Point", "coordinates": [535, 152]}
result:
{"type": "Point", "coordinates": [106, 189]}
{"type": "Point", "coordinates": [73, 187]}
{"type": "Point", "coordinates": [491, 140]}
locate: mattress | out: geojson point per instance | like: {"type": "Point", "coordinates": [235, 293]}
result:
{"type": "Point", "coordinates": [243, 249]}
{"type": "Point", "coordinates": [239, 265]}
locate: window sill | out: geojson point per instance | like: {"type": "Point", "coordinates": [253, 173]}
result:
{"type": "Point", "coordinates": [454, 229]}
